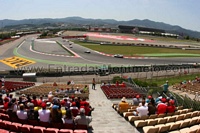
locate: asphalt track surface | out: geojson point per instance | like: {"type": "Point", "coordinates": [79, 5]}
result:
{"type": "Point", "coordinates": [59, 59]}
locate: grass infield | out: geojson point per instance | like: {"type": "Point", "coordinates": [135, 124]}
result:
{"type": "Point", "coordinates": [141, 51]}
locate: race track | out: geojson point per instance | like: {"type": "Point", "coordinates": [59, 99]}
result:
{"type": "Point", "coordinates": [48, 54]}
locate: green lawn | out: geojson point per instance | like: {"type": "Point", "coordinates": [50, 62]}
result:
{"type": "Point", "coordinates": [141, 51]}
{"type": "Point", "coordinates": [172, 80]}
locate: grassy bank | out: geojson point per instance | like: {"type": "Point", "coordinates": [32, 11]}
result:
{"type": "Point", "coordinates": [141, 51]}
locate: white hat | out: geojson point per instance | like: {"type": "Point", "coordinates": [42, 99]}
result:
{"type": "Point", "coordinates": [167, 81]}
{"type": "Point", "coordinates": [123, 99]}
{"type": "Point", "coordinates": [82, 110]}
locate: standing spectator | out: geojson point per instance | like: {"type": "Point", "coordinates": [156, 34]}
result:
{"type": "Point", "coordinates": [44, 114]}
{"type": "Point", "coordinates": [21, 113]}
{"type": "Point", "coordinates": [93, 83]}
{"type": "Point", "coordinates": [117, 83]}
{"type": "Point", "coordinates": [165, 87]}
{"type": "Point", "coordinates": [82, 119]}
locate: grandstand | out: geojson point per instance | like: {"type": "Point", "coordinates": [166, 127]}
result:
{"type": "Point", "coordinates": [129, 29]}
{"type": "Point", "coordinates": [182, 121]}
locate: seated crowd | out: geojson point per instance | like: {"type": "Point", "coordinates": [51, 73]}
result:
{"type": "Point", "coordinates": [69, 110]}
{"type": "Point", "coordinates": [148, 106]}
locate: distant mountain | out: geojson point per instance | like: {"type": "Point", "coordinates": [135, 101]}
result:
{"type": "Point", "coordinates": [111, 22]}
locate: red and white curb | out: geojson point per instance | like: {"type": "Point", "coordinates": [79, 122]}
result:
{"type": "Point", "coordinates": [126, 57]}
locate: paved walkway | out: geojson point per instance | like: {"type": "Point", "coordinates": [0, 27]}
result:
{"type": "Point", "coordinates": [105, 118]}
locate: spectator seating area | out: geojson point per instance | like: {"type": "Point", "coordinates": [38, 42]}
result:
{"type": "Point", "coordinates": [181, 121]}
{"type": "Point", "coordinates": [44, 90]}
{"type": "Point", "coordinates": [113, 91]}
{"type": "Point", "coordinates": [31, 126]}
{"type": "Point", "coordinates": [191, 88]}
{"type": "Point", "coordinates": [10, 86]}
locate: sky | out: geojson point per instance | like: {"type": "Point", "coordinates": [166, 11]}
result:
{"type": "Point", "coordinates": [184, 13]}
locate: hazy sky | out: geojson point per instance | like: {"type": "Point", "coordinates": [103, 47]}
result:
{"type": "Point", "coordinates": [184, 13]}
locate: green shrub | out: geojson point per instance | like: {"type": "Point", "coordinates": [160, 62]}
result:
{"type": "Point", "coordinates": [117, 78]}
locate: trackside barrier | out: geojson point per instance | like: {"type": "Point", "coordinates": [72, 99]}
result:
{"type": "Point", "coordinates": [183, 68]}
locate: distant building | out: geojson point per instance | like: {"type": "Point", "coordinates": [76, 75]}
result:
{"type": "Point", "coordinates": [100, 29]}
{"type": "Point", "coordinates": [133, 29]}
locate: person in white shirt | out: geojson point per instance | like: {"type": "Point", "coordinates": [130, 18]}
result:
{"type": "Point", "coordinates": [141, 110]}
{"type": "Point", "coordinates": [44, 114]}
{"type": "Point", "coordinates": [77, 91]}
{"type": "Point", "coordinates": [21, 113]}
{"type": "Point", "coordinates": [82, 119]}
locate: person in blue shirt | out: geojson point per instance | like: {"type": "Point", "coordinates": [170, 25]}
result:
{"type": "Point", "coordinates": [165, 87]}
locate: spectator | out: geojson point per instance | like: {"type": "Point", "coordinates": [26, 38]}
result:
{"type": "Point", "coordinates": [69, 82]}
{"type": "Point", "coordinates": [74, 109]}
{"type": "Point", "coordinates": [82, 119]}
{"type": "Point", "coordinates": [56, 115]}
{"type": "Point", "coordinates": [171, 108]}
{"type": "Point", "coordinates": [142, 110]}
{"type": "Point", "coordinates": [31, 113]}
{"type": "Point", "coordinates": [136, 100]}
{"type": "Point", "coordinates": [123, 105]}
{"type": "Point", "coordinates": [21, 113]}
{"type": "Point", "coordinates": [77, 100]}
{"type": "Point", "coordinates": [55, 84]}
{"type": "Point", "coordinates": [49, 105]}
{"type": "Point", "coordinates": [151, 107]}
{"type": "Point", "coordinates": [68, 118]}
{"type": "Point", "coordinates": [2, 81]}
{"type": "Point", "coordinates": [117, 83]}
{"type": "Point", "coordinates": [28, 98]}
{"type": "Point", "coordinates": [14, 105]}
{"type": "Point", "coordinates": [93, 83]}
{"type": "Point", "coordinates": [6, 101]}
{"type": "Point", "coordinates": [10, 112]}
{"type": "Point", "coordinates": [158, 100]}
{"type": "Point", "coordinates": [165, 87]}
{"type": "Point", "coordinates": [77, 91]}
{"type": "Point", "coordinates": [85, 89]}
{"type": "Point", "coordinates": [161, 108]}
{"type": "Point", "coordinates": [1, 99]}
{"type": "Point", "coordinates": [34, 101]}
{"type": "Point", "coordinates": [44, 114]}
{"type": "Point", "coordinates": [149, 99]}
{"type": "Point", "coordinates": [88, 109]}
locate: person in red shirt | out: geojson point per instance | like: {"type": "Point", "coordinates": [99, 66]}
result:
{"type": "Point", "coordinates": [171, 108]}
{"type": "Point", "coordinates": [161, 108]}
{"type": "Point", "coordinates": [6, 101]}
{"type": "Point", "coordinates": [34, 101]}
{"type": "Point", "coordinates": [117, 83]}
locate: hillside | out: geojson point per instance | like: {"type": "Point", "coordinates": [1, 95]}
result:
{"type": "Point", "coordinates": [110, 22]}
